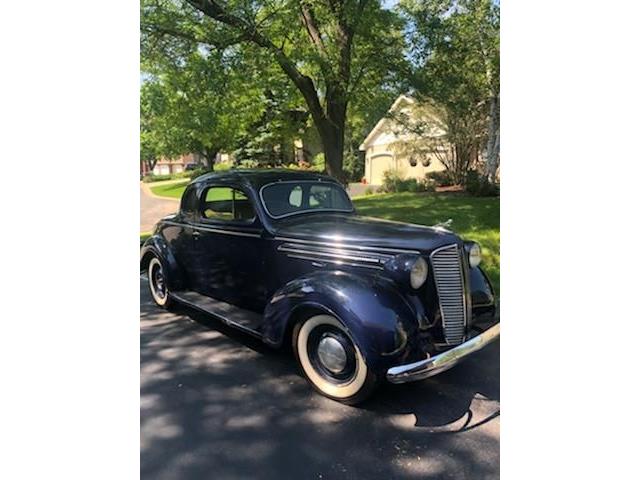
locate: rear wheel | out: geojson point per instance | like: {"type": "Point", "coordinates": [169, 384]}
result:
{"type": "Point", "coordinates": [331, 361]}
{"type": "Point", "coordinates": [158, 283]}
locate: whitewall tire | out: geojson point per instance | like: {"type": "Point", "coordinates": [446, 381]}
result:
{"type": "Point", "coordinates": [158, 283]}
{"type": "Point", "coordinates": [331, 361]}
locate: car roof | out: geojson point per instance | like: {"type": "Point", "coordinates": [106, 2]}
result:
{"type": "Point", "coordinates": [260, 177]}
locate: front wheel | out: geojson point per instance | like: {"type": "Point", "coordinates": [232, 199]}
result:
{"type": "Point", "coordinates": [331, 361]}
{"type": "Point", "coordinates": [158, 283]}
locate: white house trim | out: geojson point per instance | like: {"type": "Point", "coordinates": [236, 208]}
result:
{"type": "Point", "coordinates": [378, 127]}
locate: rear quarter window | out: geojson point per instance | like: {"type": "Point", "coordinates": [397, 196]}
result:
{"type": "Point", "coordinates": [189, 202]}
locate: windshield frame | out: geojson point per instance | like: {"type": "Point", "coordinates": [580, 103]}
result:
{"type": "Point", "coordinates": [311, 210]}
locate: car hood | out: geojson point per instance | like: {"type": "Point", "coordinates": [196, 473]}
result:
{"type": "Point", "coordinates": [355, 230]}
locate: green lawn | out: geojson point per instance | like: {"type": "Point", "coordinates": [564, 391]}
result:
{"type": "Point", "coordinates": [172, 190]}
{"type": "Point", "coordinates": [474, 218]}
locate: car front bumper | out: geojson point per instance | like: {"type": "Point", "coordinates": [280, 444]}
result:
{"type": "Point", "coordinates": [443, 361]}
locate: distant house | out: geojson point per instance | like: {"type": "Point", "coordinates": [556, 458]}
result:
{"type": "Point", "coordinates": [166, 166]}
{"type": "Point", "coordinates": [407, 139]}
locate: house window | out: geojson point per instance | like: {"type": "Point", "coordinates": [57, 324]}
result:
{"type": "Point", "coordinates": [413, 161]}
{"type": "Point", "coordinates": [426, 162]}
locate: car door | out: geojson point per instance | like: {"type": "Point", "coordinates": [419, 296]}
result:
{"type": "Point", "coordinates": [183, 244]}
{"type": "Point", "coordinates": [229, 247]}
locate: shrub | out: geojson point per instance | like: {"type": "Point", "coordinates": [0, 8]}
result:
{"type": "Point", "coordinates": [440, 179]}
{"type": "Point", "coordinates": [369, 191]}
{"type": "Point", "coordinates": [196, 172]}
{"type": "Point", "coordinates": [249, 164]}
{"type": "Point", "coordinates": [223, 166]}
{"type": "Point", "coordinates": [428, 185]}
{"type": "Point", "coordinates": [478, 185]}
{"type": "Point", "coordinates": [173, 176]}
{"type": "Point", "coordinates": [302, 165]}
{"type": "Point", "coordinates": [318, 163]}
{"type": "Point", "coordinates": [410, 185]}
{"type": "Point", "coordinates": [393, 182]}
{"type": "Point", "coordinates": [156, 178]}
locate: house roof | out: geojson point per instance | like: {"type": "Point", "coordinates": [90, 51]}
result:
{"type": "Point", "coordinates": [402, 99]}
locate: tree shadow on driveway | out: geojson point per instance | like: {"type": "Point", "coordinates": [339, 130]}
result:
{"type": "Point", "coordinates": [216, 403]}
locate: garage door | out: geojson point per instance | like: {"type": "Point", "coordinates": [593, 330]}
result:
{"type": "Point", "coordinates": [379, 165]}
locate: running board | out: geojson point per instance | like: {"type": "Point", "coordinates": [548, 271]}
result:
{"type": "Point", "coordinates": [236, 317]}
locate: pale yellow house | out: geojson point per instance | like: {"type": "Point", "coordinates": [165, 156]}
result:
{"type": "Point", "coordinates": [410, 139]}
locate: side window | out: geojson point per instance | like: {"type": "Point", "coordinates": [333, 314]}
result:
{"type": "Point", "coordinates": [227, 203]}
{"type": "Point", "coordinates": [189, 203]}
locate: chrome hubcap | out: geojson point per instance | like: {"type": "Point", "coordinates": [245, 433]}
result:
{"type": "Point", "coordinates": [332, 354]}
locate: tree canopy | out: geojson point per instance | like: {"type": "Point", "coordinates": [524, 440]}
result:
{"type": "Point", "coordinates": [238, 75]}
{"type": "Point", "coordinates": [196, 101]}
{"type": "Point", "coordinates": [455, 53]}
{"type": "Point", "coordinates": [326, 48]}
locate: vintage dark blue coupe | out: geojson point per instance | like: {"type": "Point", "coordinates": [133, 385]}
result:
{"type": "Point", "coordinates": [285, 257]}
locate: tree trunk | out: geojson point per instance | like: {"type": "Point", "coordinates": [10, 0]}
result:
{"type": "Point", "coordinates": [493, 142]}
{"type": "Point", "coordinates": [210, 158]}
{"type": "Point", "coordinates": [151, 164]}
{"type": "Point", "coordinates": [332, 139]}
{"type": "Point", "coordinates": [331, 127]}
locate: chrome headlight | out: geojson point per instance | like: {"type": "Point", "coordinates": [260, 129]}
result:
{"type": "Point", "coordinates": [408, 270]}
{"type": "Point", "coordinates": [475, 254]}
{"type": "Point", "coordinates": [419, 273]}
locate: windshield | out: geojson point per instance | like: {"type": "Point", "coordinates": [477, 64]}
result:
{"type": "Point", "coordinates": [290, 198]}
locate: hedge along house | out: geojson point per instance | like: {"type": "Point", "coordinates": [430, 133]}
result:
{"type": "Point", "coordinates": [410, 140]}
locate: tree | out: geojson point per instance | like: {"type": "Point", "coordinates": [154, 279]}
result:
{"type": "Point", "coordinates": [376, 92]}
{"type": "Point", "coordinates": [270, 139]}
{"type": "Point", "coordinates": [324, 47]}
{"type": "Point", "coordinates": [200, 101]}
{"type": "Point", "coordinates": [153, 141]}
{"type": "Point", "coordinates": [456, 63]}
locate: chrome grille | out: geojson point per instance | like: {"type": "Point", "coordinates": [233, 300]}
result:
{"type": "Point", "coordinates": [447, 271]}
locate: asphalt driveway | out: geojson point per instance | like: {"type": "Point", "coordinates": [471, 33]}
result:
{"type": "Point", "coordinates": [153, 208]}
{"type": "Point", "coordinates": [215, 403]}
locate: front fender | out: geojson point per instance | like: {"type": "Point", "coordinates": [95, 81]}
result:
{"type": "Point", "coordinates": [380, 320]}
{"type": "Point", "coordinates": [481, 288]}
{"type": "Point", "coordinates": [157, 245]}
{"type": "Point", "coordinates": [483, 298]}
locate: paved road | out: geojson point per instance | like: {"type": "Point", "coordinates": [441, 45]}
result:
{"type": "Point", "coordinates": [359, 189]}
{"type": "Point", "coordinates": [218, 404]}
{"type": "Point", "coordinates": [153, 209]}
